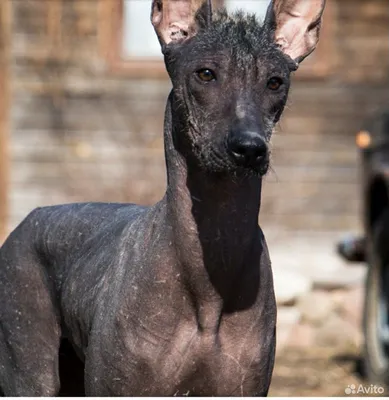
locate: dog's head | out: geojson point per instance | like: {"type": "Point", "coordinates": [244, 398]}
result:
{"type": "Point", "coordinates": [231, 75]}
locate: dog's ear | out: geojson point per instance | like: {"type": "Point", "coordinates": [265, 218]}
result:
{"type": "Point", "coordinates": [178, 20]}
{"type": "Point", "coordinates": [295, 25]}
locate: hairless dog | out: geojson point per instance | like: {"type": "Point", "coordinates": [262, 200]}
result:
{"type": "Point", "coordinates": [176, 298]}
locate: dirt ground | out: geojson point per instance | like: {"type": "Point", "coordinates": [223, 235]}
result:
{"type": "Point", "coordinates": [318, 372]}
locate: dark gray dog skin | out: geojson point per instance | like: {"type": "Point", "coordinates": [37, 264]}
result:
{"type": "Point", "coordinates": [177, 298]}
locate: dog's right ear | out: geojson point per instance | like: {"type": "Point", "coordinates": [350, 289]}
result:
{"type": "Point", "coordinates": [178, 20]}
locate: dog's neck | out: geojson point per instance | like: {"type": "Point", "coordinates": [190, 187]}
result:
{"type": "Point", "coordinates": [214, 221]}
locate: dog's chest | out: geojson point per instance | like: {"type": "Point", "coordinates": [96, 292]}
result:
{"type": "Point", "coordinates": [224, 365]}
{"type": "Point", "coordinates": [231, 362]}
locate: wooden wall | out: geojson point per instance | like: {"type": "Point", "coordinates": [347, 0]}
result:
{"type": "Point", "coordinates": [82, 132]}
{"type": "Point", "coordinates": [5, 27]}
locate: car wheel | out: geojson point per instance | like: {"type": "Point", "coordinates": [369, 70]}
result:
{"type": "Point", "coordinates": [376, 307]}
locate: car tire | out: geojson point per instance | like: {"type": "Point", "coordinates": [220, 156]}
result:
{"type": "Point", "coordinates": [376, 306]}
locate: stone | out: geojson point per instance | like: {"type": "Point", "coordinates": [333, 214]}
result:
{"type": "Point", "coordinates": [287, 319]}
{"type": "Point", "coordinates": [340, 278]}
{"type": "Point", "coordinates": [349, 304]}
{"type": "Point", "coordinates": [289, 286]}
{"type": "Point", "coordinates": [336, 332]}
{"type": "Point", "coordinates": [315, 258]}
{"type": "Point", "coordinates": [301, 335]}
{"type": "Point", "coordinates": [288, 316]}
{"type": "Point", "coordinates": [315, 307]}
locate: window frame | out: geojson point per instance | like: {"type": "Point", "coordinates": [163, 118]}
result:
{"type": "Point", "coordinates": [111, 16]}
{"type": "Point", "coordinates": [111, 33]}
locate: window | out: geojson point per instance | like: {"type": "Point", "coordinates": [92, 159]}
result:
{"type": "Point", "coordinates": [133, 48]}
{"type": "Point", "coordinates": [255, 6]}
{"type": "Point", "coordinates": [138, 36]}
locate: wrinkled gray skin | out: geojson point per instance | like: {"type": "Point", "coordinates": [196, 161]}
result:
{"type": "Point", "coordinates": [173, 299]}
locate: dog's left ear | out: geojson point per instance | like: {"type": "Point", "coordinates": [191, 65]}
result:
{"type": "Point", "coordinates": [295, 25]}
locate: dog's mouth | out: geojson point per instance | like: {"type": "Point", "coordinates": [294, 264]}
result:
{"type": "Point", "coordinates": [264, 166]}
{"type": "Point", "coordinates": [223, 163]}
{"type": "Point", "coordinates": [257, 165]}
{"type": "Point", "coordinates": [219, 160]}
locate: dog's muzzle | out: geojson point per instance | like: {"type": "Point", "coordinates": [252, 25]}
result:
{"type": "Point", "coordinates": [248, 149]}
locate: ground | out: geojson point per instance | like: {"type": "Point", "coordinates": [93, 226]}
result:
{"type": "Point", "coordinates": [318, 372]}
{"type": "Point", "coordinates": [320, 307]}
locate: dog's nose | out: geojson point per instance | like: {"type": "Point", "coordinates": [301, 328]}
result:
{"type": "Point", "coordinates": [248, 148]}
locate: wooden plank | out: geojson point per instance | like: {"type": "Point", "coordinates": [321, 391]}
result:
{"type": "Point", "coordinates": [315, 174]}
{"type": "Point", "coordinates": [318, 65]}
{"type": "Point", "coordinates": [5, 38]}
{"type": "Point", "coordinates": [308, 223]}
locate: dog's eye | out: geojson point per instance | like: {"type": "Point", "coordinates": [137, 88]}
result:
{"type": "Point", "coordinates": [274, 83]}
{"type": "Point", "coordinates": [206, 75]}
